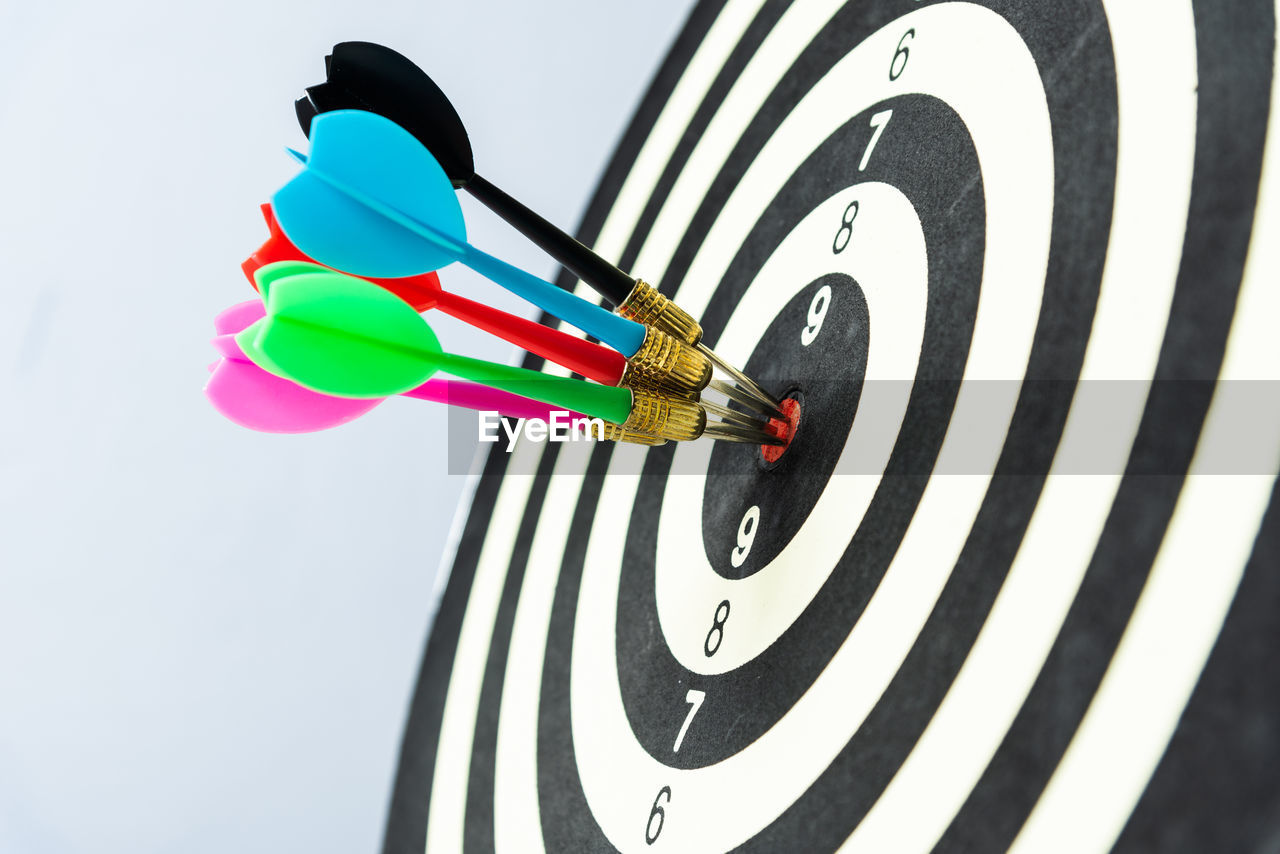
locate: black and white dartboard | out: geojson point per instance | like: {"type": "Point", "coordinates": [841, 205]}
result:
{"type": "Point", "coordinates": [1016, 583]}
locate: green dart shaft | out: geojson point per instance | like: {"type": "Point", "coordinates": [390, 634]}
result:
{"type": "Point", "coordinates": [347, 337]}
{"type": "Point", "coordinates": [597, 401]}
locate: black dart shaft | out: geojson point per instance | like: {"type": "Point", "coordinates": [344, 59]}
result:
{"type": "Point", "coordinates": [610, 282]}
{"type": "Point", "coordinates": [367, 76]}
{"type": "Point", "coordinates": [374, 78]}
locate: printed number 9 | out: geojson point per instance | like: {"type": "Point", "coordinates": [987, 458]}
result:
{"type": "Point", "coordinates": [746, 536]}
{"type": "Point", "coordinates": [817, 314]}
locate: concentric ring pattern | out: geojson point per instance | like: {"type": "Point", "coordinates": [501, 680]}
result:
{"type": "Point", "coordinates": [1027, 598]}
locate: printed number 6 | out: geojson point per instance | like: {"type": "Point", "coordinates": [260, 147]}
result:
{"type": "Point", "coordinates": [652, 833]}
{"type": "Point", "coordinates": [902, 53]}
{"type": "Point", "coordinates": [746, 536]}
{"type": "Point", "coordinates": [817, 314]}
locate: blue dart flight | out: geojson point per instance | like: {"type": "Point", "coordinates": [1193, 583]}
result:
{"type": "Point", "coordinates": [372, 201]}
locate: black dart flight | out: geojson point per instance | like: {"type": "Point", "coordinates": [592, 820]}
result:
{"type": "Point", "coordinates": [374, 78]}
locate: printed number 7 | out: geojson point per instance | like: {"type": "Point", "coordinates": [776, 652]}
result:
{"type": "Point", "coordinates": [694, 698]}
{"type": "Point", "coordinates": [878, 122]}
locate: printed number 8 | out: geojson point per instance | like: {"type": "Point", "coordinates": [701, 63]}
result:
{"type": "Point", "coordinates": [845, 234]}
{"type": "Point", "coordinates": [717, 629]}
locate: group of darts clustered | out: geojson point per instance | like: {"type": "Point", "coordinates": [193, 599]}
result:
{"type": "Point", "coordinates": [349, 268]}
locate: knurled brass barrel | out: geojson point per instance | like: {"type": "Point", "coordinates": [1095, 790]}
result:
{"type": "Point", "coordinates": [665, 364]}
{"type": "Point", "coordinates": [645, 305]}
{"type": "Point", "coordinates": [613, 433]}
{"type": "Point", "coordinates": [661, 415]}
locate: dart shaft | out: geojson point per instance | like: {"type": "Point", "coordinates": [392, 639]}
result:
{"type": "Point", "coordinates": [621, 334]}
{"type": "Point", "coordinates": [610, 282]}
{"type": "Point", "coordinates": [596, 401]}
{"type": "Point", "coordinates": [482, 398]}
{"type": "Point", "coordinates": [593, 361]}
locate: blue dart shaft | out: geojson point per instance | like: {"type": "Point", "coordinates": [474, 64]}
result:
{"type": "Point", "coordinates": [625, 336]}
{"type": "Point", "coordinates": [621, 334]}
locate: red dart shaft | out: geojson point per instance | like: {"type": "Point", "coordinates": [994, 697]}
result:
{"type": "Point", "coordinates": [594, 361]}
{"type": "Point", "coordinates": [419, 291]}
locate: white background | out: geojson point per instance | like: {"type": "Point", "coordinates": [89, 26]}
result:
{"type": "Point", "coordinates": [209, 636]}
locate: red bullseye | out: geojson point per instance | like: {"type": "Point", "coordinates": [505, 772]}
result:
{"type": "Point", "coordinates": [784, 430]}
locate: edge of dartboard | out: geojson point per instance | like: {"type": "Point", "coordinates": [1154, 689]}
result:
{"type": "Point", "coordinates": [406, 825]}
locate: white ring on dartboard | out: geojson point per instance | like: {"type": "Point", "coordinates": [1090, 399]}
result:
{"type": "Point", "coordinates": [723, 805]}
{"type": "Point", "coordinates": [453, 757]}
{"type": "Point", "coordinates": [446, 816]}
{"type": "Point", "coordinates": [526, 840]}
{"type": "Point", "coordinates": [1180, 614]}
{"type": "Point", "coordinates": [952, 217]}
{"type": "Point", "coordinates": [501, 799]}
{"type": "Point", "coordinates": [889, 264]}
{"type": "Point", "coordinates": [1133, 306]}
{"type": "Point", "coordinates": [659, 147]}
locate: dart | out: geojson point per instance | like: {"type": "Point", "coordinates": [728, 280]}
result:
{"type": "Point", "coordinates": [371, 201]}
{"type": "Point", "coordinates": [251, 397]}
{"type": "Point", "coordinates": [424, 293]}
{"type": "Point", "coordinates": [346, 337]}
{"type": "Point", "coordinates": [367, 76]}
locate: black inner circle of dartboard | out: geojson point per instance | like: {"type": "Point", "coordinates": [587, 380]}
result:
{"type": "Point", "coordinates": [825, 376]}
{"type": "Point", "coordinates": [1073, 46]}
{"type": "Point", "coordinates": [744, 703]}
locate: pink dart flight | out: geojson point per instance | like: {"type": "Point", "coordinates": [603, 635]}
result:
{"type": "Point", "coordinates": [254, 398]}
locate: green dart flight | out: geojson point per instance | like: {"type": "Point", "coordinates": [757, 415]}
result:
{"type": "Point", "coordinates": [344, 336]}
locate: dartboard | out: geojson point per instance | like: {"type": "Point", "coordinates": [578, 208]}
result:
{"type": "Point", "coordinates": [1014, 583]}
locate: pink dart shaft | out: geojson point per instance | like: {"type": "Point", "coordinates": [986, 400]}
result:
{"type": "Point", "coordinates": [484, 398]}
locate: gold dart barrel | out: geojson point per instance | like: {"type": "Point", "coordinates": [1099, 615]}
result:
{"type": "Point", "coordinates": [645, 305]}
{"type": "Point", "coordinates": [665, 364]}
{"type": "Point", "coordinates": [658, 414]}
{"type": "Point", "coordinates": [613, 433]}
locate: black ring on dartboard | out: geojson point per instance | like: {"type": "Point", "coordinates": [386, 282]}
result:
{"type": "Point", "coordinates": [826, 377]}
{"type": "Point", "coordinates": [1234, 55]}
{"type": "Point", "coordinates": [1219, 225]}
{"type": "Point", "coordinates": [1223, 811]}
{"type": "Point", "coordinates": [411, 793]}
{"type": "Point", "coordinates": [1084, 159]}
{"type": "Point", "coordinates": [745, 702]}
{"type": "Point", "coordinates": [1233, 97]}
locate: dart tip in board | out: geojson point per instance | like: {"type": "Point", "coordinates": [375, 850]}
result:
{"type": "Point", "coordinates": [721, 431]}
{"type": "Point", "coordinates": [784, 430]}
